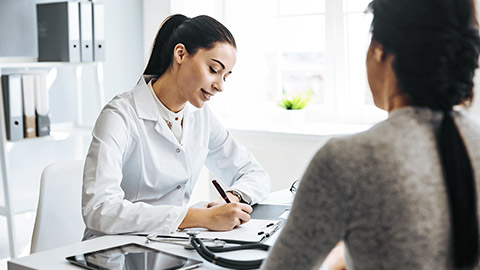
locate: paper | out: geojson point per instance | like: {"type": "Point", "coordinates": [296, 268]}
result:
{"type": "Point", "coordinates": [253, 231]}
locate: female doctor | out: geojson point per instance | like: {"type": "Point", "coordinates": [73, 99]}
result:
{"type": "Point", "coordinates": [149, 144]}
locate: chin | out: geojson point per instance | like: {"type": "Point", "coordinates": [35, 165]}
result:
{"type": "Point", "coordinates": [198, 104]}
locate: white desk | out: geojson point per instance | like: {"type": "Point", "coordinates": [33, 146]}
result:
{"type": "Point", "coordinates": [55, 258]}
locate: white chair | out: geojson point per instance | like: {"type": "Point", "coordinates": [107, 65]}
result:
{"type": "Point", "coordinates": [59, 219]}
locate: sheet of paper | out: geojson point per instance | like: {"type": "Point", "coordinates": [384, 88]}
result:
{"type": "Point", "coordinates": [252, 231]}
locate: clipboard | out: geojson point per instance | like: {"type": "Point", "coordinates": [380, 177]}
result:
{"type": "Point", "coordinates": [269, 211]}
{"type": "Point", "coordinates": [254, 231]}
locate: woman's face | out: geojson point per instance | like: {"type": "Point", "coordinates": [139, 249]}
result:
{"type": "Point", "coordinates": [201, 75]}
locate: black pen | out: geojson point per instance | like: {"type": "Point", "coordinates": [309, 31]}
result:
{"type": "Point", "coordinates": [221, 191]}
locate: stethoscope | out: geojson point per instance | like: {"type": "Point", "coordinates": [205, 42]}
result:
{"type": "Point", "coordinates": [207, 252]}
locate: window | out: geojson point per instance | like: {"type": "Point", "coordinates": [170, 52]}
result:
{"type": "Point", "coordinates": [288, 46]}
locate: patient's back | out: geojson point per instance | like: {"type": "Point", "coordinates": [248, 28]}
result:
{"type": "Point", "coordinates": [398, 211]}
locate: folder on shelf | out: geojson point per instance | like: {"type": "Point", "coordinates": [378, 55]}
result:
{"type": "Point", "coordinates": [28, 84]}
{"type": "Point", "coordinates": [12, 99]}
{"type": "Point", "coordinates": [98, 32]}
{"type": "Point", "coordinates": [42, 106]}
{"type": "Point", "coordinates": [86, 31]}
{"type": "Point", "coordinates": [58, 32]}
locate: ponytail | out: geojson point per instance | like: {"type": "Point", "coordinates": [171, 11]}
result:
{"type": "Point", "coordinates": [461, 191]}
{"type": "Point", "coordinates": [160, 60]}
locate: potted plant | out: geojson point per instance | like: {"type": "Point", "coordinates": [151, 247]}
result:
{"type": "Point", "coordinates": [295, 104]}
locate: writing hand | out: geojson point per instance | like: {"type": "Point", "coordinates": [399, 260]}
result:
{"type": "Point", "coordinates": [219, 218]}
{"type": "Point", "coordinates": [221, 201]}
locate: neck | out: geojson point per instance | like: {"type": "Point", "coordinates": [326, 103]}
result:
{"type": "Point", "coordinates": [398, 101]}
{"type": "Point", "coordinates": [166, 89]}
{"type": "Point", "coordinates": [394, 98]}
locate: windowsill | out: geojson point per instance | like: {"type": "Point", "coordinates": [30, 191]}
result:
{"type": "Point", "coordinates": [321, 129]}
{"type": "Point", "coordinates": [313, 120]}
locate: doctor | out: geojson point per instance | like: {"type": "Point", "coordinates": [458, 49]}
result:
{"type": "Point", "coordinates": [149, 144]}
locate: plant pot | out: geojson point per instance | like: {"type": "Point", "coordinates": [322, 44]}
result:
{"type": "Point", "coordinates": [296, 118]}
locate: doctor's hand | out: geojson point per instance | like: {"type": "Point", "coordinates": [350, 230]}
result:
{"type": "Point", "coordinates": [219, 218]}
{"type": "Point", "coordinates": [221, 201]}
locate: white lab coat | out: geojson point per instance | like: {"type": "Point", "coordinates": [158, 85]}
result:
{"type": "Point", "coordinates": [138, 177]}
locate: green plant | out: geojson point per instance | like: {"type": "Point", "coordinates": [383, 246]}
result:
{"type": "Point", "coordinates": [296, 102]}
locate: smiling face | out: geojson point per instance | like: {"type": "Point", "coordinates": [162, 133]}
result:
{"type": "Point", "coordinates": [201, 75]}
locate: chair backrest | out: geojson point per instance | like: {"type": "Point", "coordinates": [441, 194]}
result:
{"type": "Point", "coordinates": [59, 219]}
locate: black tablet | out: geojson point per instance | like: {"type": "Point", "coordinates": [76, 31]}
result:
{"type": "Point", "coordinates": [132, 256]}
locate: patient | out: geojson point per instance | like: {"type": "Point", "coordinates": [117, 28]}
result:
{"type": "Point", "coordinates": [402, 195]}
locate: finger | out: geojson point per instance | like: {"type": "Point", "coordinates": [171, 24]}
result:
{"type": "Point", "coordinates": [246, 208]}
{"type": "Point", "coordinates": [244, 217]}
{"type": "Point", "coordinates": [210, 204]}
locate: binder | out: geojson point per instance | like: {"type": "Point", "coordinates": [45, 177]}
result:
{"type": "Point", "coordinates": [86, 31]}
{"type": "Point", "coordinates": [98, 32]}
{"type": "Point", "coordinates": [58, 32]}
{"type": "Point", "coordinates": [12, 99]}
{"type": "Point", "coordinates": [42, 107]}
{"type": "Point", "coordinates": [28, 85]}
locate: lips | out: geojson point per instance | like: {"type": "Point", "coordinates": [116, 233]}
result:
{"type": "Point", "coordinates": [206, 94]}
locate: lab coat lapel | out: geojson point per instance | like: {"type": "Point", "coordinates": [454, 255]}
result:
{"type": "Point", "coordinates": [147, 108]}
{"type": "Point", "coordinates": [187, 121]}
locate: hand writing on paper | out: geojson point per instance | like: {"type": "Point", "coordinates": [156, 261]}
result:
{"type": "Point", "coordinates": [219, 218]}
{"type": "Point", "coordinates": [221, 201]}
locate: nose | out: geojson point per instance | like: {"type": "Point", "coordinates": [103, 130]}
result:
{"type": "Point", "coordinates": [218, 86]}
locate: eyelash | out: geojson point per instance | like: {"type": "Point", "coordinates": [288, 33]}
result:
{"type": "Point", "coordinates": [213, 70]}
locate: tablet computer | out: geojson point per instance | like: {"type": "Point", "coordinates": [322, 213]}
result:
{"type": "Point", "coordinates": [132, 256]}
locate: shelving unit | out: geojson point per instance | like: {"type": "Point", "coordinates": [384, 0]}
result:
{"type": "Point", "coordinates": [66, 140]}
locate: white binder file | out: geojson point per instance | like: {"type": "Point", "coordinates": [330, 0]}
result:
{"type": "Point", "coordinates": [98, 32]}
{"type": "Point", "coordinates": [42, 106]}
{"type": "Point", "coordinates": [86, 31]}
{"type": "Point", "coordinates": [12, 98]}
{"type": "Point", "coordinates": [28, 83]}
{"type": "Point", "coordinates": [58, 32]}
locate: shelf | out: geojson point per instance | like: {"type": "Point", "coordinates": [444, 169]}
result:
{"type": "Point", "coordinates": [33, 63]}
{"type": "Point", "coordinates": [58, 132]}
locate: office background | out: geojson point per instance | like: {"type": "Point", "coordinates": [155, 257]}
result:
{"type": "Point", "coordinates": [281, 142]}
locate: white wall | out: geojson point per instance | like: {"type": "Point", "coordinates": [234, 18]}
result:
{"type": "Point", "coordinates": [284, 156]}
{"type": "Point", "coordinates": [123, 45]}
{"type": "Point", "coordinates": [154, 12]}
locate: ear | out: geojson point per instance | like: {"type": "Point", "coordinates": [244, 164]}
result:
{"type": "Point", "coordinates": [379, 53]}
{"type": "Point", "coordinates": [179, 53]}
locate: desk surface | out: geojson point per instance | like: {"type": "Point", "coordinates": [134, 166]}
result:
{"type": "Point", "coordinates": [55, 258]}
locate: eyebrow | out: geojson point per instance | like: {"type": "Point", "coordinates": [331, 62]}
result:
{"type": "Point", "coordinates": [218, 61]}
{"type": "Point", "coordinates": [221, 64]}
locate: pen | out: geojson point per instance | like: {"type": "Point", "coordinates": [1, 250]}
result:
{"type": "Point", "coordinates": [221, 191]}
{"type": "Point", "coordinates": [268, 230]}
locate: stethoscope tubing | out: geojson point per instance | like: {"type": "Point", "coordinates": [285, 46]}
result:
{"type": "Point", "coordinates": [206, 254]}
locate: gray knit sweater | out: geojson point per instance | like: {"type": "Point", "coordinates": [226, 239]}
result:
{"type": "Point", "coordinates": [380, 191]}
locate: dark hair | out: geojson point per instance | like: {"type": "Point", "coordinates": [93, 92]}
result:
{"type": "Point", "coordinates": [436, 44]}
{"type": "Point", "coordinates": [201, 32]}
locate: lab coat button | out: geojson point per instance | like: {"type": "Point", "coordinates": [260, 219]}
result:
{"type": "Point", "coordinates": [178, 150]}
{"type": "Point", "coordinates": [179, 187]}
